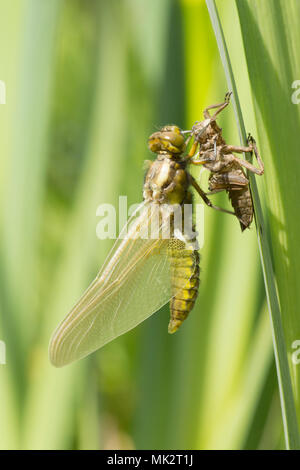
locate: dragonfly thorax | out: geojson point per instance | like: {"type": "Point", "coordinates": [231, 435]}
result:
{"type": "Point", "coordinates": [208, 133]}
{"type": "Point", "coordinates": [166, 181]}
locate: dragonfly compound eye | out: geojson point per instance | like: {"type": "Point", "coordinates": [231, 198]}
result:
{"type": "Point", "coordinates": [168, 140]}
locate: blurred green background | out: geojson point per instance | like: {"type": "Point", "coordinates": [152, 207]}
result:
{"type": "Point", "coordinates": [86, 84]}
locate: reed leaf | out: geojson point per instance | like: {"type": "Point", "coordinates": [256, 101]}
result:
{"type": "Point", "coordinates": [280, 350]}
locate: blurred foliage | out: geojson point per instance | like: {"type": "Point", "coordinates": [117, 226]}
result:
{"type": "Point", "coordinates": [87, 82]}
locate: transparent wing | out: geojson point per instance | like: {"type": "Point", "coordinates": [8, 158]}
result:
{"type": "Point", "coordinates": [134, 282]}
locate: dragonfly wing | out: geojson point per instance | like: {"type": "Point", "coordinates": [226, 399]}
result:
{"type": "Point", "coordinates": [133, 284]}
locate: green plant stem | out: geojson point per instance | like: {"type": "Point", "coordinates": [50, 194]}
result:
{"type": "Point", "coordinates": [284, 380]}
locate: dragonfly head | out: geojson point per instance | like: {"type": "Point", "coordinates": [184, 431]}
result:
{"type": "Point", "coordinates": [168, 140]}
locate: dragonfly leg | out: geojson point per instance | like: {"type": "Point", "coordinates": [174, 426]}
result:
{"type": "Point", "coordinates": [203, 157]}
{"type": "Point", "coordinates": [207, 201]}
{"type": "Point", "coordinates": [193, 149]}
{"type": "Point", "coordinates": [251, 148]}
{"type": "Point", "coordinates": [221, 106]}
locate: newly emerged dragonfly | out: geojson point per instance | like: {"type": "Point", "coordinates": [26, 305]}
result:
{"type": "Point", "coordinates": [142, 272]}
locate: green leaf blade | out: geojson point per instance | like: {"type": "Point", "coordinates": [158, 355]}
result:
{"type": "Point", "coordinates": [280, 350]}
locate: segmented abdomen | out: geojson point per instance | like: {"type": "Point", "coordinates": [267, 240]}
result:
{"type": "Point", "coordinates": [241, 201]}
{"type": "Point", "coordinates": [237, 186]}
{"type": "Point", "coordinates": [185, 282]}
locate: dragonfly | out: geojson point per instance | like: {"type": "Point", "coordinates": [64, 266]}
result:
{"type": "Point", "coordinates": [154, 261]}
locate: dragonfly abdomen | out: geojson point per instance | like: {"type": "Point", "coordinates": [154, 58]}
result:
{"type": "Point", "coordinates": [185, 282]}
{"type": "Point", "coordinates": [237, 186]}
{"type": "Point", "coordinates": [241, 201]}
